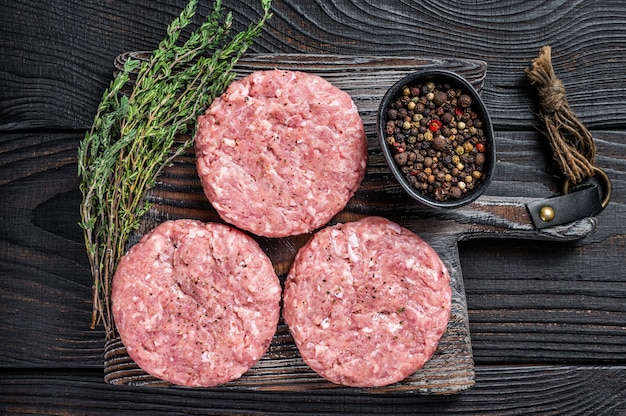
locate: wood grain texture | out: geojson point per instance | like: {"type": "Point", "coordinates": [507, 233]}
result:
{"type": "Point", "coordinates": [500, 390]}
{"type": "Point", "coordinates": [65, 47]}
{"type": "Point", "coordinates": [529, 302]}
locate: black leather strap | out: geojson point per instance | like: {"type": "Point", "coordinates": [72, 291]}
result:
{"type": "Point", "coordinates": [583, 202]}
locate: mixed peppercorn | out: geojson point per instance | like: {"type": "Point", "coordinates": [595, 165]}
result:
{"type": "Point", "coordinates": [437, 140]}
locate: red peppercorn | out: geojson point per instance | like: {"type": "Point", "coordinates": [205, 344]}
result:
{"type": "Point", "coordinates": [434, 125]}
{"type": "Point", "coordinates": [480, 147]}
{"type": "Point", "coordinates": [459, 111]}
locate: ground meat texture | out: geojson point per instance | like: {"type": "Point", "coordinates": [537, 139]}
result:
{"type": "Point", "coordinates": [196, 304]}
{"type": "Point", "coordinates": [280, 152]}
{"type": "Point", "coordinates": [367, 302]}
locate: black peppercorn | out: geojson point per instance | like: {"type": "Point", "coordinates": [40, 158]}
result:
{"type": "Point", "coordinates": [440, 194]}
{"type": "Point", "coordinates": [455, 192]}
{"type": "Point", "coordinates": [439, 98]}
{"type": "Point", "coordinates": [464, 100]}
{"type": "Point", "coordinates": [439, 143]}
{"type": "Point", "coordinates": [446, 118]}
{"type": "Point", "coordinates": [401, 158]}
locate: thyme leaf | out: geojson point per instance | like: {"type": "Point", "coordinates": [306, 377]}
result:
{"type": "Point", "coordinates": [133, 137]}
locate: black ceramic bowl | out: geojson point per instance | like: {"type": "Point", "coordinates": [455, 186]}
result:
{"type": "Point", "coordinates": [444, 198]}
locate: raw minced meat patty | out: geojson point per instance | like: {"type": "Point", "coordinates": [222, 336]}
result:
{"type": "Point", "coordinates": [367, 302]}
{"type": "Point", "coordinates": [280, 152]}
{"type": "Point", "coordinates": [196, 304]}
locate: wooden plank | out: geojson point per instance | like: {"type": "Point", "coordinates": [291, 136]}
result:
{"type": "Point", "coordinates": [366, 79]}
{"type": "Point", "coordinates": [502, 390]}
{"type": "Point", "coordinates": [557, 314]}
{"type": "Point", "coordinates": [43, 288]}
{"type": "Point", "coordinates": [40, 38]}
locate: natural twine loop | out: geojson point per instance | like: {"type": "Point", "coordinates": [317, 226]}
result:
{"type": "Point", "coordinates": [572, 145]}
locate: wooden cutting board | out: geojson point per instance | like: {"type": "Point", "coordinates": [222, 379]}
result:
{"type": "Point", "coordinates": [178, 194]}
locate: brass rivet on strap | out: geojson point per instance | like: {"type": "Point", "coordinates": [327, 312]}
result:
{"type": "Point", "coordinates": [546, 213]}
{"type": "Point", "coordinates": [604, 181]}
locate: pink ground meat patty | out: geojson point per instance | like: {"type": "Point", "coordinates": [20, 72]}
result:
{"type": "Point", "coordinates": [196, 304]}
{"type": "Point", "coordinates": [280, 152]}
{"type": "Point", "coordinates": [367, 302]}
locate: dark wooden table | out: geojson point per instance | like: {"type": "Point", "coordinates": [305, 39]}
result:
{"type": "Point", "coordinates": [547, 319]}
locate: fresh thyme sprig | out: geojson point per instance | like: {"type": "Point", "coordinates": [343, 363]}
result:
{"type": "Point", "coordinates": [134, 136]}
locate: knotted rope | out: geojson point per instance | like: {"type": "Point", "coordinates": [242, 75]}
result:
{"type": "Point", "coordinates": [572, 145]}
